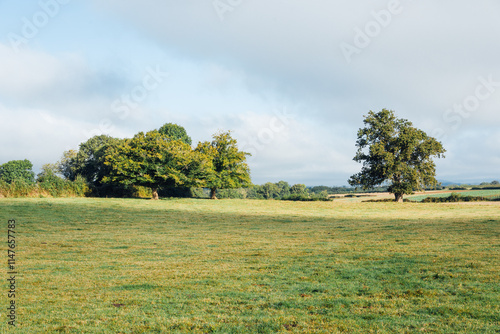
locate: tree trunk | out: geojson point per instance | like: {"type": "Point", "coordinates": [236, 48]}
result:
{"type": "Point", "coordinates": [212, 193]}
{"type": "Point", "coordinates": [155, 193]}
{"type": "Point", "coordinates": [398, 198]}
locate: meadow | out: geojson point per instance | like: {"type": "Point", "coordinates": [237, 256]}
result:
{"type": "Point", "coordinates": [491, 194]}
{"type": "Point", "coordinates": [250, 266]}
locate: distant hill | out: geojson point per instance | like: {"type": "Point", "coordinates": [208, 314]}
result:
{"type": "Point", "coordinates": [445, 183]}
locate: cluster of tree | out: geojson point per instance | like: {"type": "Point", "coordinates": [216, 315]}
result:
{"type": "Point", "coordinates": [157, 160]}
{"type": "Point", "coordinates": [482, 186]}
{"type": "Point", "coordinates": [487, 185]}
{"type": "Point", "coordinates": [492, 183]}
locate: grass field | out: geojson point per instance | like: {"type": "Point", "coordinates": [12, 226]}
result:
{"type": "Point", "coordinates": [493, 193]}
{"type": "Point", "coordinates": [236, 266]}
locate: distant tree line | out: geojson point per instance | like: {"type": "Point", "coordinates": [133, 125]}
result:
{"type": "Point", "coordinates": [275, 191]}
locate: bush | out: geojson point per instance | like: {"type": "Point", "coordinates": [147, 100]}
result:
{"type": "Point", "coordinates": [200, 192]}
{"type": "Point", "coordinates": [306, 198]}
{"type": "Point", "coordinates": [455, 197]}
{"type": "Point", "coordinates": [231, 193]}
{"type": "Point", "coordinates": [17, 188]}
{"type": "Point", "coordinates": [53, 186]}
{"type": "Point", "coordinates": [385, 200]}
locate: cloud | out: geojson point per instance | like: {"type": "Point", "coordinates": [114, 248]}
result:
{"type": "Point", "coordinates": [37, 79]}
{"type": "Point", "coordinates": [291, 49]}
{"type": "Point", "coordinates": [228, 69]}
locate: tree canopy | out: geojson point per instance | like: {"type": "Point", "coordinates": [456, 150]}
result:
{"type": "Point", "coordinates": [228, 168]}
{"type": "Point", "coordinates": [175, 132]}
{"type": "Point", "coordinates": [153, 160]}
{"type": "Point", "coordinates": [392, 150]}
{"type": "Point", "coordinates": [89, 161]}
{"type": "Point", "coordinates": [17, 170]}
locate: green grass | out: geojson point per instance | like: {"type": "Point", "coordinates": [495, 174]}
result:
{"type": "Point", "coordinates": [236, 266]}
{"type": "Point", "coordinates": [482, 193]}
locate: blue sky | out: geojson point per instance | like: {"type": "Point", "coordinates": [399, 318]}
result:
{"type": "Point", "coordinates": [291, 79]}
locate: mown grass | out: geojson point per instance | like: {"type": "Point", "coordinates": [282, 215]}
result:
{"type": "Point", "coordinates": [236, 266]}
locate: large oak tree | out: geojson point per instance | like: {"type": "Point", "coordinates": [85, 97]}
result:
{"type": "Point", "coordinates": [392, 150]}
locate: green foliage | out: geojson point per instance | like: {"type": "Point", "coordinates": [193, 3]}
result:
{"type": "Point", "coordinates": [154, 160]}
{"type": "Point", "coordinates": [89, 163]}
{"type": "Point", "coordinates": [91, 157]}
{"type": "Point", "coordinates": [228, 168]}
{"type": "Point", "coordinates": [231, 193]}
{"type": "Point", "coordinates": [318, 189]}
{"type": "Point", "coordinates": [17, 188]}
{"type": "Point", "coordinates": [393, 151]}
{"type": "Point", "coordinates": [299, 192]}
{"type": "Point", "coordinates": [200, 192]}
{"type": "Point", "coordinates": [283, 191]}
{"type": "Point", "coordinates": [384, 200]}
{"type": "Point", "coordinates": [270, 191]}
{"type": "Point", "coordinates": [48, 185]}
{"type": "Point", "coordinates": [48, 172]}
{"type": "Point", "coordinates": [17, 171]}
{"type": "Point", "coordinates": [255, 192]}
{"type": "Point", "coordinates": [175, 132]}
{"type": "Point", "coordinates": [141, 192]}
{"type": "Point", "coordinates": [78, 188]}
{"type": "Point", "coordinates": [306, 198]}
{"type": "Point", "coordinates": [486, 188]}
{"type": "Point", "coordinates": [50, 182]}
{"type": "Point", "coordinates": [68, 166]}
{"type": "Point", "coordinates": [299, 189]}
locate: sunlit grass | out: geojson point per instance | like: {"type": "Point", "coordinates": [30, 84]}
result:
{"type": "Point", "coordinates": [492, 193]}
{"type": "Point", "coordinates": [235, 266]}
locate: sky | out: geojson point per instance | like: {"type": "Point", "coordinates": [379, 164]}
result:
{"type": "Point", "coordinates": [291, 79]}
